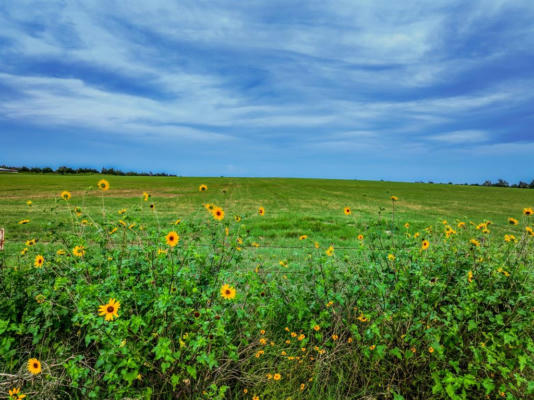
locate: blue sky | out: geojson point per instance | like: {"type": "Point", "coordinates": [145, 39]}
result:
{"type": "Point", "coordinates": [414, 90]}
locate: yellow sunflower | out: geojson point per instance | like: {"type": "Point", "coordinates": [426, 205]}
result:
{"type": "Point", "coordinates": [39, 261]}
{"type": "Point", "coordinates": [228, 292]}
{"type": "Point", "coordinates": [78, 251]}
{"type": "Point", "coordinates": [528, 211]}
{"type": "Point", "coordinates": [470, 276]}
{"type": "Point", "coordinates": [34, 366]}
{"type": "Point", "coordinates": [329, 251]}
{"type": "Point", "coordinates": [103, 185]}
{"type": "Point", "coordinates": [449, 231]}
{"type": "Point", "coordinates": [24, 221]}
{"type": "Point", "coordinates": [109, 310]}
{"type": "Point", "coordinates": [509, 238]}
{"type": "Point", "coordinates": [394, 198]}
{"type": "Point", "coordinates": [29, 203]}
{"type": "Point", "coordinates": [303, 237]}
{"type": "Point", "coordinates": [14, 394]}
{"type": "Point", "coordinates": [202, 188]}
{"type": "Point", "coordinates": [218, 213]}
{"type": "Point", "coordinates": [237, 218]}
{"type": "Point", "coordinates": [261, 211]}
{"type": "Point", "coordinates": [424, 244]}
{"type": "Point", "coordinates": [513, 221]}
{"type": "Point", "coordinates": [145, 196]}
{"type": "Point", "coordinates": [362, 318]}
{"type": "Point", "coordinates": [360, 237]}
{"type": "Point", "coordinates": [172, 238]}
{"type": "Point", "coordinates": [347, 211]}
{"type": "Point", "coordinates": [65, 195]}
{"type": "Point", "coordinates": [277, 377]}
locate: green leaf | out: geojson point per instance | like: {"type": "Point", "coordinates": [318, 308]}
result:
{"type": "Point", "coordinates": [175, 380]}
{"type": "Point", "coordinates": [523, 359]}
{"type": "Point", "coordinates": [396, 352]}
{"type": "Point", "coordinates": [191, 370]}
{"type": "Point", "coordinates": [488, 385]}
{"type": "Point", "coordinates": [471, 325]}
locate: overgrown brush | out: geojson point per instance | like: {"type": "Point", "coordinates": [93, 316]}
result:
{"type": "Point", "coordinates": [445, 313]}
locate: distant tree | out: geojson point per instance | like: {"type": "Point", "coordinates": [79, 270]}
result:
{"type": "Point", "coordinates": [531, 185]}
{"type": "Point", "coordinates": [523, 185]}
{"type": "Point", "coordinates": [501, 183]}
{"type": "Point", "coordinates": [487, 183]}
{"type": "Point", "coordinates": [108, 171]}
{"type": "Point", "coordinates": [86, 171]}
{"type": "Point", "coordinates": [47, 170]}
{"type": "Point", "coordinates": [64, 170]}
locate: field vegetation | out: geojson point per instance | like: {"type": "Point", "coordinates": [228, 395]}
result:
{"type": "Point", "coordinates": [236, 288]}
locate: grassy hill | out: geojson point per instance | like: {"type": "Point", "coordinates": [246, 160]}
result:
{"type": "Point", "coordinates": [293, 207]}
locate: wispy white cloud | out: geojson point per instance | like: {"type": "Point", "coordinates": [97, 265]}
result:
{"type": "Point", "coordinates": [460, 137]}
{"type": "Point", "coordinates": [516, 149]}
{"type": "Point", "coordinates": [70, 102]}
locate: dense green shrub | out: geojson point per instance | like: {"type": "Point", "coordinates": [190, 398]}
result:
{"type": "Point", "coordinates": [390, 319]}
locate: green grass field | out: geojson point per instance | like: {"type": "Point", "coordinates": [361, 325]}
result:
{"type": "Point", "coordinates": [293, 206]}
{"type": "Point", "coordinates": [427, 297]}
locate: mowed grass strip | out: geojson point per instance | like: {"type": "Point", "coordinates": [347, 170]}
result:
{"type": "Point", "coordinates": [293, 206]}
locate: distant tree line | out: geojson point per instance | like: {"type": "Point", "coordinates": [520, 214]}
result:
{"type": "Point", "coordinates": [72, 171]}
{"type": "Point", "coordinates": [503, 183]}
{"type": "Point", "coordinates": [112, 171]}
{"type": "Point", "coordinates": [499, 183]}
